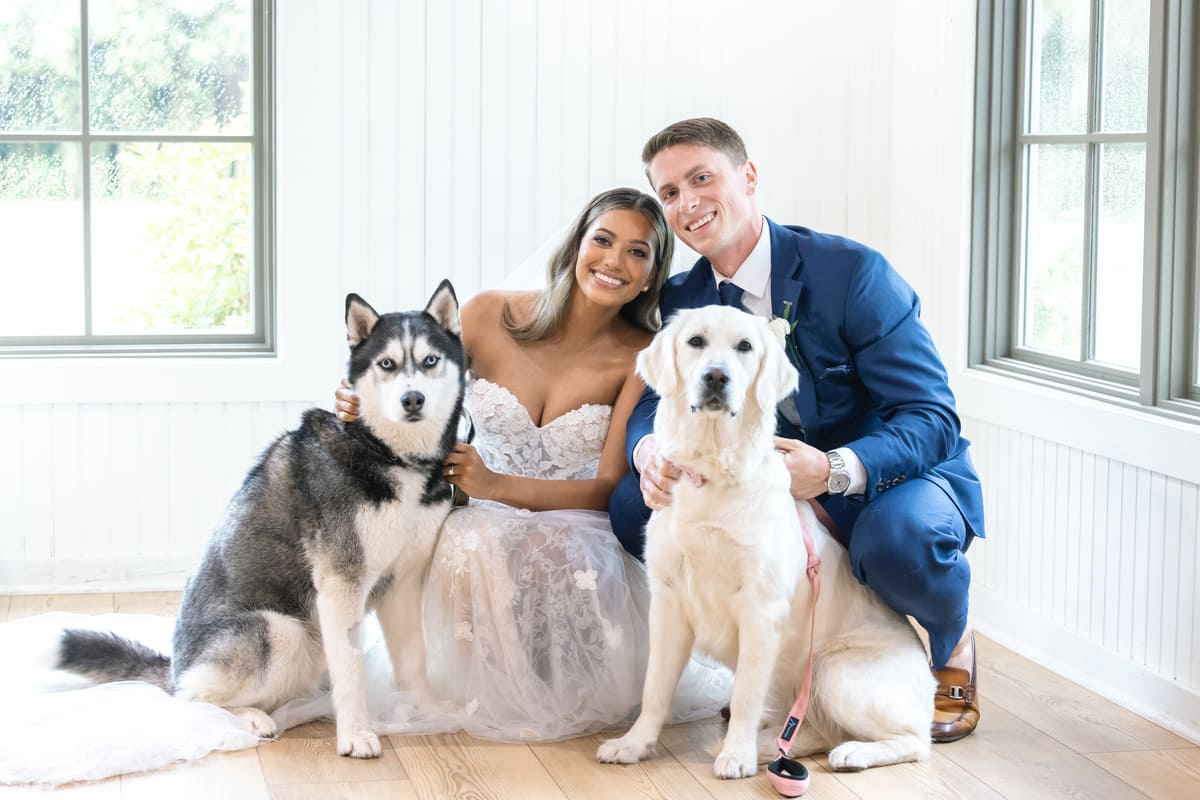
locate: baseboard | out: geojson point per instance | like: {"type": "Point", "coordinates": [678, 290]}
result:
{"type": "Point", "coordinates": [1109, 674]}
{"type": "Point", "coordinates": [86, 575]}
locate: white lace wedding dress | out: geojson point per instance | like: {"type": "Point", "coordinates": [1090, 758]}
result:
{"type": "Point", "coordinates": [535, 624]}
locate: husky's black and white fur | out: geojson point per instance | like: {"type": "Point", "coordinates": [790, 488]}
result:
{"type": "Point", "coordinates": [336, 518]}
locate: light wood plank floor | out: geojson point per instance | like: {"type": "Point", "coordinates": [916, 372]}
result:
{"type": "Point", "coordinates": [1041, 737]}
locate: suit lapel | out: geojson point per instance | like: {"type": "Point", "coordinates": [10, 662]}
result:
{"type": "Point", "coordinates": [786, 287]}
{"type": "Point", "coordinates": [698, 289]}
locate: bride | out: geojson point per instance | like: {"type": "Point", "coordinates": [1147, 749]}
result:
{"type": "Point", "coordinates": [535, 616]}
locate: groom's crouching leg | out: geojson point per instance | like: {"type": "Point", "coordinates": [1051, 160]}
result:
{"type": "Point", "coordinates": [909, 546]}
{"type": "Point", "coordinates": [629, 515]}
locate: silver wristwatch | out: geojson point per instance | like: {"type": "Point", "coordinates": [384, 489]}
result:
{"type": "Point", "coordinates": [839, 477]}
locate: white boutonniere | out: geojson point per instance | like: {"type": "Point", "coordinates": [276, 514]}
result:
{"type": "Point", "coordinates": [783, 328]}
{"type": "Point", "coordinates": [779, 326]}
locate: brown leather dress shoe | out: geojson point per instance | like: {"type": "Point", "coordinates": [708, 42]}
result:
{"type": "Point", "coordinates": [956, 702]}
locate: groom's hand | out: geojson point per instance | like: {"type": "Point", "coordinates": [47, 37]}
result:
{"type": "Point", "coordinates": [658, 475]}
{"type": "Point", "coordinates": [808, 466]}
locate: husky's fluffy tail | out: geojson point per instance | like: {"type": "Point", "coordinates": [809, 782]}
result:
{"type": "Point", "coordinates": [106, 657]}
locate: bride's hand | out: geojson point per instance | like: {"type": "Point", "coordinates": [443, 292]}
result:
{"type": "Point", "coordinates": [466, 470]}
{"type": "Point", "coordinates": [345, 402]}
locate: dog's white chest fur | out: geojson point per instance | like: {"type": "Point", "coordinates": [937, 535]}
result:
{"type": "Point", "coordinates": [726, 552]}
{"type": "Point", "coordinates": [399, 531]}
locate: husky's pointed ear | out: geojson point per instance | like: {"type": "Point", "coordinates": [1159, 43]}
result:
{"type": "Point", "coordinates": [776, 378]}
{"type": "Point", "coordinates": [656, 363]}
{"type": "Point", "coordinates": [443, 307]}
{"type": "Point", "coordinates": [360, 319]}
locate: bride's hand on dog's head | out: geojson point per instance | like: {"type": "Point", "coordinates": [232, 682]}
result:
{"type": "Point", "coordinates": [345, 402]}
{"type": "Point", "coordinates": [807, 465]}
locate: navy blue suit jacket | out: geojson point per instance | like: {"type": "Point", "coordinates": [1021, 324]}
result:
{"type": "Point", "coordinates": [870, 376]}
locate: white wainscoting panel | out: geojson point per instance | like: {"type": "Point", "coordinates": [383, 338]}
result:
{"type": "Point", "coordinates": [1091, 567]}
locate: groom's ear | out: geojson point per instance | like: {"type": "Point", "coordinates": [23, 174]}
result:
{"type": "Point", "coordinates": [656, 364]}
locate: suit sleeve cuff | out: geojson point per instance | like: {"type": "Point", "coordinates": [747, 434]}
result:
{"type": "Point", "coordinates": [854, 466]}
{"type": "Point", "coordinates": [637, 451]}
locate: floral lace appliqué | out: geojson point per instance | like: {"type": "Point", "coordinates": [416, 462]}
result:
{"type": "Point", "coordinates": [566, 448]}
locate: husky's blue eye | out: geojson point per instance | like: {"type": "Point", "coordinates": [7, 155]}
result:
{"type": "Point", "coordinates": [387, 364]}
{"type": "Point", "coordinates": [431, 361]}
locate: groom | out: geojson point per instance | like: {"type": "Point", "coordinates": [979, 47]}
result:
{"type": "Point", "coordinates": [871, 430]}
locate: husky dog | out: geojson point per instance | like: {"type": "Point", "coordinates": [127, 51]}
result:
{"type": "Point", "coordinates": [336, 518]}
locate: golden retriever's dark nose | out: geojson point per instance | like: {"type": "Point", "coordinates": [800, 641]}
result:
{"type": "Point", "coordinates": [715, 379]}
{"type": "Point", "coordinates": [714, 385]}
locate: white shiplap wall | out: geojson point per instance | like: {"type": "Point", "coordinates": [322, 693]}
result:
{"type": "Point", "coordinates": [450, 138]}
{"type": "Point", "coordinates": [416, 141]}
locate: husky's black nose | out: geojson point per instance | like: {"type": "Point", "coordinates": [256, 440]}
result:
{"type": "Point", "coordinates": [412, 401]}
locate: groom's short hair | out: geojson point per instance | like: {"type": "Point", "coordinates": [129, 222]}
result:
{"type": "Point", "coordinates": [700, 130]}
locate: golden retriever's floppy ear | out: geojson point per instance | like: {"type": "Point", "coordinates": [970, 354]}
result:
{"type": "Point", "coordinates": [776, 378]}
{"type": "Point", "coordinates": [656, 364]}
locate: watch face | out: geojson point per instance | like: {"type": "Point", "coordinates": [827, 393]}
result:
{"type": "Point", "coordinates": [838, 483]}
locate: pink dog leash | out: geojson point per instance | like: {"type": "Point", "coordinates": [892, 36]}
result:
{"type": "Point", "coordinates": [788, 776]}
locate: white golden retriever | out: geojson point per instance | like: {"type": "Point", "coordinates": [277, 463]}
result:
{"type": "Point", "coordinates": [727, 571]}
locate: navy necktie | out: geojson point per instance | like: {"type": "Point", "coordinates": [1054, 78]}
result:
{"type": "Point", "coordinates": [731, 294]}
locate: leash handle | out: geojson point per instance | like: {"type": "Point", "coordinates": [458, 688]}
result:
{"type": "Point", "coordinates": [789, 777]}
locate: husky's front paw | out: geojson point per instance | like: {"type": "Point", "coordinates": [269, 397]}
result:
{"type": "Point", "coordinates": [628, 749]}
{"type": "Point", "coordinates": [359, 744]}
{"type": "Point", "coordinates": [736, 761]}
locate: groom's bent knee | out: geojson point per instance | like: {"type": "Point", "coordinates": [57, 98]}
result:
{"type": "Point", "coordinates": [908, 547]}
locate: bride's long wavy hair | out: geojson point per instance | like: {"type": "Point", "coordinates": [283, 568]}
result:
{"type": "Point", "coordinates": [549, 310]}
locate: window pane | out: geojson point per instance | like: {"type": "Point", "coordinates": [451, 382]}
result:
{"type": "Point", "coordinates": [41, 240]}
{"type": "Point", "coordinates": [1053, 276]}
{"type": "Point", "coordinates": [181, 66]}
{"type": "Point", "coordinates": [171, 238]}
{"type": "Point", "coordinates": [1119, 240]}
{"type": "Point", "coordinates": [1058, 66]}
{"type": "Point", "coordinates": [39, 65]}
{"type": "Point", "coordinates": [1125, 65]}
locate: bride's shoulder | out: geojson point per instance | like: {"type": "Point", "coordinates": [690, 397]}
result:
{"type": "Point", "coordinates": [487, 307]}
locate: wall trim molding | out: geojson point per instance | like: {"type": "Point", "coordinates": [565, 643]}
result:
{"type": "Point", "coordinates": [1109, 674]}
{"type": "Point", "coordinates": [91, 575]}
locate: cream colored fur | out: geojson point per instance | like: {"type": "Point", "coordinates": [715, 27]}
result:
{"type": "Point", "coordinates": [727, 571]}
